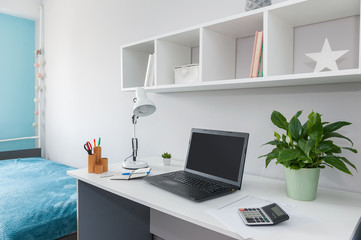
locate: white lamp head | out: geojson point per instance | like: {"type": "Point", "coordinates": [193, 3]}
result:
{"type": "Point", "coordinates": [143, 106]}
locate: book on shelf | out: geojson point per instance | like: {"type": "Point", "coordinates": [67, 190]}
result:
{"type": "Point", "coordinates": [254, 48]}
{"type": "Point", "coordinates": [149, 75]}
{"type": "Point", "coordinates": [257, 55]}
{"type": "Point", "coordinates": [260, 69]}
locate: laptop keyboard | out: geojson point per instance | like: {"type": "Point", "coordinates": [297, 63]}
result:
{"type": "Point", "coordinates": [197, 183]}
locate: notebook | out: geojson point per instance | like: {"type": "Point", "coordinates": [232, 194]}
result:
{"type": "Point", "coordinates": [214, 166]}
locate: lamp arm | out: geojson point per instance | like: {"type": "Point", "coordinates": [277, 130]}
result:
{"type": "Point", "coordinates": [134, 139]}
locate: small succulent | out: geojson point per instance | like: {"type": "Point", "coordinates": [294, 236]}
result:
{"type": "Point", "coordinates": [166, 155]}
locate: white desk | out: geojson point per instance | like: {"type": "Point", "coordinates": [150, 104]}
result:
{"type": "Point", "coordinates": [336, 213]}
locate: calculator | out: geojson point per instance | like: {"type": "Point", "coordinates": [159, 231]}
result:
{"type": "Point", "coordinates": [268, 215]}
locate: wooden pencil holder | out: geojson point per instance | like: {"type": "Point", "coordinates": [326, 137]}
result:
{"type": "Point", "coordinates": [98, 168]}
{"type": "Point", "coordinates": [91, 163]}
{"type": "Point", "coordinates": [98, 154]}
{"type": "Point", "coordinates": [104, 162]}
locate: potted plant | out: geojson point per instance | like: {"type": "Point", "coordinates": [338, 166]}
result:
{"type": "Point", "coordinates": [306, 148]}
{"type": "Point", "coordinates": [166, 158]}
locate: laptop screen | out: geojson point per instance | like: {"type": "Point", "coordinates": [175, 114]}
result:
{"type": "Point", "coordinates": [219, 155]}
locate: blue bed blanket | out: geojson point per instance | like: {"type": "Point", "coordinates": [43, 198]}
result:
{"type": "Point", "coordinates": [37, 200]}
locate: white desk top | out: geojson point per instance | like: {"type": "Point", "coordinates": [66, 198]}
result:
{"type": "Point", "coordinates": [334, 213]}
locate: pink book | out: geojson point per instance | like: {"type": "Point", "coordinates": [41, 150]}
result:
{"type": "Point", "coordinates": [257, 55]}
{"type": "Point", "coordinates": [254, 50]}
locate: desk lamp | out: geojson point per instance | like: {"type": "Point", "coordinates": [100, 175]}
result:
{"type": "Point", "coordinates": [142, 108]}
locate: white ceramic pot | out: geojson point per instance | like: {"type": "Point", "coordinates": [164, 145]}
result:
{"type": "Point", "coordinates": [166, 161]}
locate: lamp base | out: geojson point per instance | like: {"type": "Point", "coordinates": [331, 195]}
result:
{"type": "Point", "coordinates": [135, 164]}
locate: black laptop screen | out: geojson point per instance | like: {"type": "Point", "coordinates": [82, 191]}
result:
{"type": "Point", "coordinates": [217, 155]}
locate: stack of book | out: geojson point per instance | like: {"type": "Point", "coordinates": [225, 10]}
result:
{"type": "Point", "coordinates": [257, 56]}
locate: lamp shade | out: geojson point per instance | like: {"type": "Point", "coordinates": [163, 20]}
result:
{"type": "Point", "coordinates": [143, 106]}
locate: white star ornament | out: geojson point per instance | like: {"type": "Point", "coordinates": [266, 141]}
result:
{"type": "Point", "coordinates": [326, 58]}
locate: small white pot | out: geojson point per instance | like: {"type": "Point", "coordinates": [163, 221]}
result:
{"type": "Point", "coordinates": [166, 161]}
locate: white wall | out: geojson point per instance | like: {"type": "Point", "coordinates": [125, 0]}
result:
{"type": "Point", "coordinates": [84, 101]}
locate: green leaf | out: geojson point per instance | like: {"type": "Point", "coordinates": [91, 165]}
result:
{"type": "Point", "coordinates": [301, 164]}
{"type": "Point", "coordinates": [304, 159]}
{"type": "Point", "coordinates": [348, 162]}
{"type": "Point", "coordinates": [295, 166]}
{"type": "Point", "coordinates": [336, 135]}
{"type": "Point", "coordinates": [350, 149]}
{"type": "Point", "coordinates": [279, 120]}
{"type": "Point", "coordinates": [336, 149]}
{"type": "Point", "coordinates": [272, 155]}
{"type": "Point", "coordinates": [295, 128]}
{"type": "Point", "coordinates": [298, 113]}
{"type": "Point", "coordinates": [335, 126]}
{"type": "Point", "coordinates": [337, 163]}
{"type": "Point", "coordinates": [277, 136]}
{"type": "Point", "coordinates": [306, 146]}
{"type": "Point", "coordinates": [325, 146]}
{"type": "Point", "coordinates": [314, 127]}
{"type": "Point", "coordinates": [274, 142]}
{"type": "Point", "coordinates": [288, 155]}
{"type": "Point", "coordinates": [304, 129]}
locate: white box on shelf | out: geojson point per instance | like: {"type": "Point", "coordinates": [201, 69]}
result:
{"type": "Point", "coordinates": [186, 74]}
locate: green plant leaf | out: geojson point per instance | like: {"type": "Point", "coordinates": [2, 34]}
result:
{"type": "Point", "coordinates": [337, 163]}
{"type": "Point", "coordinates": [265, 155]}
{"type": "Point", "coordinates": [304, 159]}
{"type": "Point", "coordinates": [335, 126]}
{"type": "Point", "coordinates": [350, 149]}
{"type": "Point", "coordinates": [336, 135]}
{"type": "Point", "coordinates": [272, 155]}
{"type": "Point", "coordinates": [348, 162]}
{"type": "Point", "coordinates": [298, 113]}
{"type": "Point", "coordinates": [279, 120]}
{"type": "Point", "coordinates": [306, 146]}
{"type": "Point", "coordinates": [314, 127]}
{"type": "Point", "coordinates": [302, 164]}
{"type": "Point", "coordinates": [304, 129]}
{"type": "Point", "coordinates": [277, 136]}
{"type": "Point", "coordinates": [273, 142]}
{"type": "Point", "coordinates": [335, 149]}
{"type": "Point", "coordinates": [288, 155]}
{"type": "Point", "coordinates": [324, 146]}
{"type": "Point", "coordinates": [294, 166]}
{"type": "Point", "coordinates": [295, 128]}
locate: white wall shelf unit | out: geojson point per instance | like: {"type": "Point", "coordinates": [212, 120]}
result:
{"type": "Point", "coordinates": [223, 49]}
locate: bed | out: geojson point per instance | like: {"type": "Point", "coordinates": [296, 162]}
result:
{"type": "Point", "coordinates": [37, 198]}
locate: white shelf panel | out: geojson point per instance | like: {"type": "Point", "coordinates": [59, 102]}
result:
{"type": "Point", "coordinates": [188, 38]}
{"type": "Point", "coordinates": [343, 76]}
{"type": "Point", "coordinates": [239, 27]}
{"type": "Point", "coordinates": [315, 11]}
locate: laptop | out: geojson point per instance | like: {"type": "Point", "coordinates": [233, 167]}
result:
{"type": "Point", "coordinates": [214, 166]}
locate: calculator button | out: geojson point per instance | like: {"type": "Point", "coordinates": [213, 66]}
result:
{"type": "Point", "coordinates": [250, 220]}
{"type": "Point", "coordinates": [241, 209]}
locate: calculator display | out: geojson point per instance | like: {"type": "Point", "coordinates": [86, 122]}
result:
{"type": "Point", "coordinates": [277, 211]}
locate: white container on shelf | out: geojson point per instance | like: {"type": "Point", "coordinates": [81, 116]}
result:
{"type": "Point", "coordinates": [186, 74]}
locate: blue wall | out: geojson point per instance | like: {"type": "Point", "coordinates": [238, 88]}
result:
{"type": "Point", "coordinates": [17, 81]}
